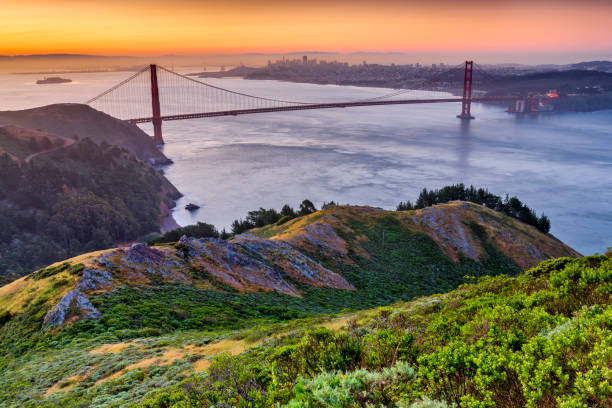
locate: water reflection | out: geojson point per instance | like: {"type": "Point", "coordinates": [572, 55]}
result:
{"type": "Point", "coordinates": [463, 150]}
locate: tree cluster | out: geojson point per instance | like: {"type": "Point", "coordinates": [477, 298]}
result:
{"type": "Point", "coordinates": [511, 206]}
{"type": "Point", "coordinates": [82, 198]}
{"type": "Point", "coordinates": [199, 230]}
{"type": "Point", "coordinates": [262, 217]}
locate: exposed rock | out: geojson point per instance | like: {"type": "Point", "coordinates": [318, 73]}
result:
{"type": "Point", "coordinates": [294, 263]}
{"type": "Point", "coordinates": [446, 228]}
{"type": "Point", "coordinates": [104, 260]}
{"type": "Point", "coordinates": [144, 261]}
{"type": "Point", "coordinates": [74, 303]}
{"type": "Point", "coordinates": [228, 263]}
{"type": "Point", "coordinates": [142, 253]}
{"type": "Point", "coordinates": [94, 279]}
{"type": "Point", "coordinates": [192, 207]}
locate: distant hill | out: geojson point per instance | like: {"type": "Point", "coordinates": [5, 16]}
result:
{"type": "Point", "coordinates": [603, 66]}
{"type": "Point", "coordinates": [140, 318]}
{"type": "Point", "coordinates": [60, 197]}
{"type": "Point", "coordinates": [579, 89]}
{"type": "Point", "coordinates": [79, 121]}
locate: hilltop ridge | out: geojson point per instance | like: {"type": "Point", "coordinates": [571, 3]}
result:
{"type": "Point", "coordinates": [380, 254]}
{"type": "Point", "coordinates": [71, 120]}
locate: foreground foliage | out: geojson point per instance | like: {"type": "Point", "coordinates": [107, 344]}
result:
{"type": "Point", "coordinates": [543, 339]}
{"type": "Point", "coordinates": [376, 361]}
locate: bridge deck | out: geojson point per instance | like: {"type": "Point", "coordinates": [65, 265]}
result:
{"type": "Point", "coordinates": [316, 106]}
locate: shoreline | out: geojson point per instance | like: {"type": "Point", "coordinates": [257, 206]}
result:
{"type": "Point", "coordinates": [168, 223]}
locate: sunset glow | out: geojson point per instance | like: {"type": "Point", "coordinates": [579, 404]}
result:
{"type": "Point", "coordinates": [190, 27]}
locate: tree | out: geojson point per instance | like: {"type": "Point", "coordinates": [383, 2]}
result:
{"type": "Point", "coordinates": [46, 143]}
{"type": "Point", "coordinates": [404, 206]}
{"type": "Point", "coordinates": [514, 206]}
{"type": "Point", "coordinates": [287, 211]}
{"type": "Point", "coordinates": [33, 144]}
{"type": "Point", "coordinates": [543, 224]}
{"type": "Point", "coordinates": [199, 230]}
{"type": "Point", "coordinates": [307, 207]}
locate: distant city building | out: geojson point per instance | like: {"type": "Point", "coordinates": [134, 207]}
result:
{"type": "Point", "coordinates": [305, 59]}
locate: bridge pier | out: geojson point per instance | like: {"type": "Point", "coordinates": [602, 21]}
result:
{"type": "Point", "coordinates": [157, 121]}
{"type": "Point", "coordinates": [466, 103]}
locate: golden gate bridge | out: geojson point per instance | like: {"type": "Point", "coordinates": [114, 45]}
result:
{"type": "Point", "coordinates": [141, 97]}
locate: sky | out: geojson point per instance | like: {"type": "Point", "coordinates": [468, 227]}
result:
{"type": "Point", "coordinates": [154, 27]}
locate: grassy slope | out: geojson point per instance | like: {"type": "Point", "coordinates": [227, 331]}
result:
{"type": "Point", "coordinates": [543, 339]}
{"type": "Point", "coordinates": [165, 317]}
{"type": "Point", "coordinates": [15, 141]}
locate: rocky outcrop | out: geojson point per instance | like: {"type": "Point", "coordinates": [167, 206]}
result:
{"type": "Point", "coordinates": [73, 305]}
{"type": "Point", "coordinates": [94, 279]}
{"type": "Point", "coordinates": [142, 263]}
{"type": "Point", "coordinates": [230, 264]}
{"type": "Point", "coordinates": [448, 229]}
{"type": "Point", "coordinates": [142, 253]}
{"type": "Point", "coordinates": [298, 266]}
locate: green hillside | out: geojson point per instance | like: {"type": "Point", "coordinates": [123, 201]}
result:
{"type": "Point", "coordinates": [110, 328]}
{"type": "Point", "coordinates": [73, 197]}
{"type": "Point", "coordinates": [543, 339]}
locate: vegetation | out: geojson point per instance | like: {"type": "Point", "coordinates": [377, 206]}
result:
{"type": "Point", "coordinates": [199, 230]}
{"type": "Point", "coordinates": [543, 339]}
{"type": "Point", "coordinates": [262, 217]}
{"type": "Point", "coordinates": [511, 206]}
{"type": "Point", "coordinates": [159, 343]}
{"type": "Point", "coordinates": [73, 200]}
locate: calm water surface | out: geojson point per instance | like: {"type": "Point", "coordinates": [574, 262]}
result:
{"type": "Point", "coordinates": [559, 164]}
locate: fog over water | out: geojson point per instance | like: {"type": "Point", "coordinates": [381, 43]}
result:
{"type": "Point", "coordinates": [559, 164]}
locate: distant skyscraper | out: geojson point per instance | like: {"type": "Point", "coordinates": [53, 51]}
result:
{"type": "Point", "coordinates": [305, 59]}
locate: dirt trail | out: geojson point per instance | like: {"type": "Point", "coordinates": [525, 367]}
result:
{"type": "Point", "coordinates": [67, 142]}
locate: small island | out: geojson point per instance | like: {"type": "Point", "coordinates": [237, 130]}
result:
{"type": "Point", "coordinates": [53, 80]}
{"type": "Point", "coordinates": [192, 207]}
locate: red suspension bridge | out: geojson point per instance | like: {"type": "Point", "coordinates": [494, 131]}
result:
{"type": "Point", "coordinates": [141, 97]}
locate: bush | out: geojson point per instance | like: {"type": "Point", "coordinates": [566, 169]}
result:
{"type": "Point", "coordinates": [199, 230]}
{"type": "Point", "coordinates": [262, 217]}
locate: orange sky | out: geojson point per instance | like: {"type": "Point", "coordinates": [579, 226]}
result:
{"type": "Point", "coordinates": [141, 27]}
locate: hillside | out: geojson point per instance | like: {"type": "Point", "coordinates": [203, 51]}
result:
{"type": "Point", "coordinates": [543, 339]}
{"type": "Point", "coordinates": [60, 197]}
{"type": "Point", "coordinates": [125, 321]}
{"type": "Point", "coordinates": [80, 121]}
{"type": "Point", "coordinates": [22, 144]}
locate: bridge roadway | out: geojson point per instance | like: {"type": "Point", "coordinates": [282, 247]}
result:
{"type": "Point", "coordinates": [317, 106]}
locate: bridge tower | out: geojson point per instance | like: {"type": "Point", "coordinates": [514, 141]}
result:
{"type": "Point", "coordinates": [466, 103]}
{"type": "Point", "coordinates": [157, 121]}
